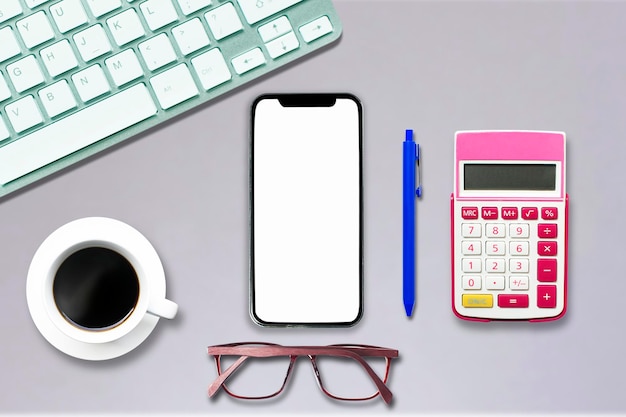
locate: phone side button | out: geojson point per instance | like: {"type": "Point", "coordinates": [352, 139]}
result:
{"type": "Point", "coordinates": [478, 300]}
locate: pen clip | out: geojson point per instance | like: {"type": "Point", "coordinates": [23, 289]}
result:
{"type": "Point", "coordinates": [418, 191]}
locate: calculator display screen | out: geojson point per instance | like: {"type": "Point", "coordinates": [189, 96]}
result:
{"type": "Point", "coordinates": [529, 177]}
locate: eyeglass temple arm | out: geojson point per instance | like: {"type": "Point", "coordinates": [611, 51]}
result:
{"type": "Point", "coordinates": [217, 384]}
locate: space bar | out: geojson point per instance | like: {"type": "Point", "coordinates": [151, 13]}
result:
{"type": "Point", "coordinates": [74, 132]}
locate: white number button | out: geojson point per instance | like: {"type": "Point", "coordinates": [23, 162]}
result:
{"type": "Point", "coordinates": [471, 247]}
{"type": "Point", "coordinates": [519, 230]}
{"type": "Point", "coordinates": [495, 265]}
{"type": "Point", "coordinates": [495, 248]}
{"type": "Point", "coordinates": [471, 265]}
{"type": "Point", "coordinates": [519, 248]}
{"type": "Point", "coordinates": [471, 230]}
{"type": "Point", "coordinates": [494, 282]}
{"type": "Point", "coordinates": [495, 230]}
{"type": "Point", "coordinates": [519, 265]}
{"type": "Point", "coordinates": [472, 282]}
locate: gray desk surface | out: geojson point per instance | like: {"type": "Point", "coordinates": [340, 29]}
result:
{"type": "Point", "coordinates": [436, 67]}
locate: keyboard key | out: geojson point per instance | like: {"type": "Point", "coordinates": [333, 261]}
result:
{"type": "Point", "coordinates": [489, 213]}
{"type": "Point", "coordinates": [546, 248]}
{"type": "Point", "coordinates": [495, 248]}
{"type": "Point", "coordinates": [547, 230]}
{"type": "Point", "coordinates": [546, 270]}
{"type": "Point", "coordinates": [190, 36]}
{"type": "Point", "coordinates": [9, 9]}
{"type": "Point", "coordinates": [530, 213]}
{"type": "Point", "coordinates": [282, 45]}
{"type": "Point", "coordinates": [471, 265]}
{"type": "Point", "coordinates": [91, 83]}
{"type": "Point", "coordinates": [513, 300]}
{"type": "Point", "coordinates": [471, 282]}
{"type": "Point", "coordinates": [158, 13]}
{"type": "Point", "coordinates": [223, 21]}
{"type": "Point", "coordinates": [519, 230]}
{"type": "Point", "coordinates": [57, 98]}
{"type": "Point", "coordinates": [190, 6]}
{"type": "Point", "coordinates": [59, 58]}
{"type": "Point", "coordinates": [519, 266]}
{"type": "Point", "coordinates": [174, 86]}
{"type": "Point", "coordinates": [316, 29]}
{"type": "Point", "coordinates": [24, 114]}
{"type": "Point", "coordinates": [509, 213]}
{"type": "Point", "coordinates": [477, 300]}
{"type": "Point", "coordinates": [518, 283]}
{"type": "Point", "coordinates": [34, 3]}
{"type": "Point", "coordinates": [469, 213]}
{"type": "Point", "coordinates": [471, 247]}
{"type": "Point", "coordinates": [25, 73]}
{"type": "Point", "coordinates": [211, 69]}
{"type": "Point", "coordinates": [471, 230]}
{"type": "Point", "coordinates": [35, 29]}
{"type": "Point", "coordinates": [8, 44]}
{"type": "Point", "coordinates": [519, 248]}
{"type": "Point", "coordinates": [495, 230]}
{"type": "Point", "coordinates": [69, 134]}
{"type": "Point", "coordinates": [126, 27]}
{"type": "Point", "coordinates": [494, 282]}
{"type": "Point", "coordinates": [275, 28]}
{"type": "Point", "coordinates": [546, 296]}
{"type": "Point", "coordinates": [549, 213]}
{"type": "Point", "coordinates": [124, 67]}
{"type": "Point", "coordinates": [248, 61]}
{"type": "Point", "coordinates": [157, 52]}
{"type": "Point", "coordinates": [102, 7]}
{"type": "Point", "coordinates": [92, 43]}
{"type": "Point", "coordinates": [255, 11]}
{"type": "Point", "coordinates": [494, 266]}
{"type": "Point", "coordinates": [5, 93]}
{"type": "Point", "coordinates": [4, 131]}
{"type": "Point", "coordinates": [68, 14]}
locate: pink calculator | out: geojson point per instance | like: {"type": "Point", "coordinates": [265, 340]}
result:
{"type": "Point", "coordinates": [509, 214]}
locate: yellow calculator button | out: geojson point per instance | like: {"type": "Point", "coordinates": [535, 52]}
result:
{"type": "Point", "coordinates": [478, 300]}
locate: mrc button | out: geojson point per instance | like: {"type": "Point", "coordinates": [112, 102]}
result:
{"type": "Point", "coordinates": [469, 213]}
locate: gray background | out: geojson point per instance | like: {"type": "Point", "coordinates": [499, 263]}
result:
{"type": "Point", "coordinates": [436, 67]}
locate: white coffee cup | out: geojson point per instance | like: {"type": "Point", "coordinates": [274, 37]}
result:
{"type": "Point", "coordinates": [96, 288]}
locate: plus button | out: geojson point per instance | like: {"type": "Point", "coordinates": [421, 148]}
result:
{"type": "Point", "coordinates": [546, 296]}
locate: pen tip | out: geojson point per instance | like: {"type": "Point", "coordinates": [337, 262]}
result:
{"type": "Point", "coordinates": [409, 309]}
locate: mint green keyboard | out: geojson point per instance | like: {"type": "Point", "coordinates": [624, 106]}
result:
{"type": "Point", "coordinates": [78, 76]}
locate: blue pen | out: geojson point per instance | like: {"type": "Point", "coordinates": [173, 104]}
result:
{"type": "Point", "coordinates": [411, 160]}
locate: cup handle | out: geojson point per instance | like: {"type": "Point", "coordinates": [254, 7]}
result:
{"type": "Point", "coordinates": [163, 308]}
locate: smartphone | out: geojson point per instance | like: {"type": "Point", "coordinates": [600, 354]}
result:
{"type": "Point", "coordinates": [306, 199]}
{"type": "Point", "coordinates": [509, 214]}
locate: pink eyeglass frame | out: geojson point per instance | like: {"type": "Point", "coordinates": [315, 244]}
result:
{"type": "Point", "coordinates": [268, 350]}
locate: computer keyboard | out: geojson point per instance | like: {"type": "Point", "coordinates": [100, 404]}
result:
{"type": "Point", "coordinates": [77, 76]}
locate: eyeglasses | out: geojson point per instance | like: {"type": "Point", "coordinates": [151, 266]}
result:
{"type": "Point", "coordinates": [343, 372]}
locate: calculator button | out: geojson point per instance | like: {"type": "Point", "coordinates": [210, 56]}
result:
{"type": "Point", "coordinates": [546, 248]}
{"type": "Point", "coordinates": [489, 213]}
{"type": "Point", "coordinates": [513, 300]}
{"type": "Point", "coordinates": [519, 230]}
{"type": "Point", "coordinates": [494, 266]}
{"type": "Point", "coordinates": [546, 230]}
{"type": "Point", "coordinates": [519, 248]}
{"type": "Point", "coordinates": [549, 213]}
{"type": "Point", "coordinates": [471, 230]}
{"type": "Point", "coordinates": [471, 265]}
{"type": "Point", "coordinates": [471, 247]}
{"type": "Point", "coordinates": [509, 213]}
{"type": "Point", "coordinates": [495, 230]}
{"type": "Point", "coordinates": [530, 213]}
{"type": "Point", "coordinates": [494, 282]}
{"type": "Point", "coordinates": [546, 296]}
{"type": "Point", "coordinates": [546, 270]}
{"type": "Point", "coordinates": [477, 300]}
{"type": "Point", "coordinates": [519, 265]}
{"type": "Point", "coordinates": [518, 283]}
{"type": "Point", "coordinates": [495, 247]}
{"type": "Point", "coordinates": [469, 213]}
{"type": "Point", "coordinates": [472, 282]}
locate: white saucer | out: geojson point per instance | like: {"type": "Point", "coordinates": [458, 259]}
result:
{"type": "Point", "coordinates": [54, 250]}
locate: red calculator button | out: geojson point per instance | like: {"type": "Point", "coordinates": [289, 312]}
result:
{"type": "Point", "coordinates": [469, 213]}
{"type": "Point", "coordinates": [549, 213]}
{"type": "Point", "coordinates": [513, 300]}
{"type": "Point", "coordinates": [530, 213]}
{"type": "Point", "coordinates": [546, 248]}
{"type": "Point", "coordinates": [546, 230]}
{"type": "Point", "coordinates": [546, 296]}
{"type": "Point", "coordinates": [509, 213]}
{"type": "Point", "coordinates": [546, 270]}
{"type": "Point", "coordinates": [489, 213]}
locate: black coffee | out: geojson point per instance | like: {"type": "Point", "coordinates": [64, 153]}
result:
{"type": "Point", "coordinates": [96, 288]}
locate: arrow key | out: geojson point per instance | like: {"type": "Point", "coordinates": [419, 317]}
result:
{"type": "Point", "coordinates": [316, 29]}
{"type": "Point", "coordinates": [248, 61]}
{"type": "Point", "coordinates": [282, 45]}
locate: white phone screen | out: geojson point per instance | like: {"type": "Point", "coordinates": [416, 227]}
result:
{"type": "Point", "coordinates": [306, 238]}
